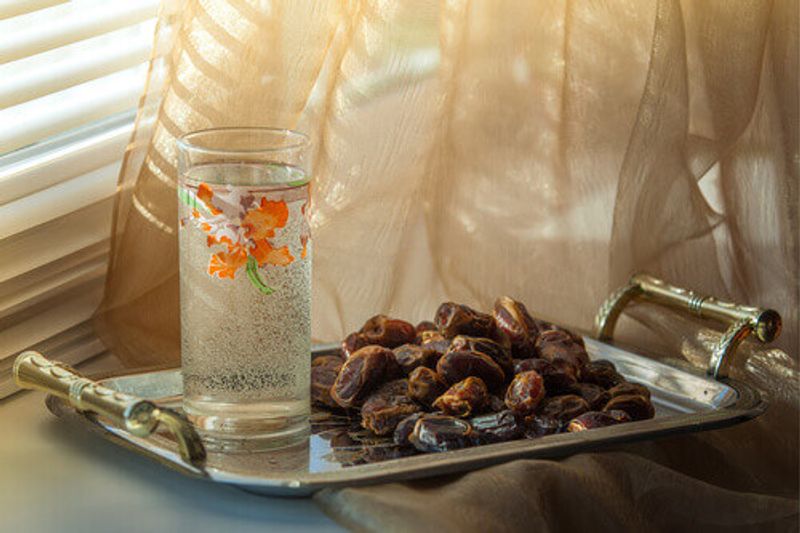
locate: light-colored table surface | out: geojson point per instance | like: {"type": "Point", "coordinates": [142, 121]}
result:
{"type": "Point", "coordinates": [54, 477]}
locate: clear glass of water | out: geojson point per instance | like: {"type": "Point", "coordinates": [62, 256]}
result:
{"type": "Point", "coordinates": [245, 285]}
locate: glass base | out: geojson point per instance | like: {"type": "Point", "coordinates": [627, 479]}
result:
{"type": "Point", "coordinates": [248, 427]}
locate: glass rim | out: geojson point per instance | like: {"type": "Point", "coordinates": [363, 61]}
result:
{"type": "Point", "coordinates": [300, 140]}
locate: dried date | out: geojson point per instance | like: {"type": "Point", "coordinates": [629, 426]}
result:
{"type": "Point", "coordinates": [405, 428]}
{"type": "Point", "coordinates": [431, 337]}
{"type": "Point", "coordinates": [628, 388]}
{"type": "Point", "coordinates": [363, 372]}
{"type": "Point", "coordinates": [595, 395]}
{"type": "Point", "coordinates": [563, 408]}
{"type": "Point", "coordinates": [441, 433]}
{"type": "Point", "coordinates": [456, 319]}
{"type": "Point", "coordinates": [422, 327]}
{"type": "Point", "coordinates": [387, 406]}
{"type": "Point", "coordinates": [425, 325]}
{"type": "Point", "coordinates": [496, 427]}
{"type": "Point", "coordinates": [638, 407]}
{"type": "Point", "coordinates": [352, 343]}
{"type": "Point", "coordinates": [324, 370]}
{"type": "Point", "coordinates": [464, 398]}
{"type": "Point", "coordinates": [425, 385]}
{"type": "Point", "coordinates": [540, 426]}
{"type": "Point", "coordinates": [516, 324]}
{"type": "Point", "coordinates": [525, 393]}
{"type": "Point", "coordinates": [410, 356]}
{"type": "Point", "coordinates": [388, 332]}
{"type": "Point", "coordinates": [456, 366]}
{"type": "Point", "coordinates": [498, 353]}
{"type": "Point", "coordinates": [620, 416]}
{"type": "Point", "coordinates": [549, 333]}
{"type": "Point", "coordinates": [557, 378]}
{"type": "Point", "coordinates": [570, 358]}
{"type": "Point", "coordinates": [592, 420]}
{"type": "Point", "coordinates": [601, 374]}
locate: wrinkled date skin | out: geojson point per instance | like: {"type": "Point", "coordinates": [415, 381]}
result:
{"type": "Point", "coordinates": [425, 385]}
{"type": "Point", "coordinates": [411, 356]}
{"type": "Point", "coordinates": [592, 420]}
{"type": "Point", "coordinates": [619, 416]}
{"type": "Point", "coordinates": [441, 433]}
{"type": "Point", "coordinates": [324, 370]}
{"type": "Point", "coordinates": [550, 333]}
{"type": "Point", "coordinates": [516, 324]}
{"type": "Point", "coordinates": [525, 393]}
{"type": "Point", "coordinates": [498, 353]}
{"type": "Point", "coordinates": [387, 406]}
{"type": "Point", "coordinates": [352, 343]}
{"type": "Point", "coordinates": [569, 357]}
{"type": "Point", "coordinates": [556, 378]}
{"type": "Point", "coordinates": [540, 426]}
{"type": "Point", "coordinates": [496, 427]}
{"type": "Point", "coordinates": [435, 341]}
{"type": "Point", "coordinates": [601, 374]}
{"type": "Point", "coordinates": [464, 398]}
{"type": "Point", "coordinates": [629, 388]}
{"type": "Point", "coordinates": [388, 332]}
{"type": "Point", "coordinates": [595, 395]}
{"type": "Point", "coordinates": [363, 372]}
{"type": "Point", "coordinates": [638, 407]}
{"type": "Point", "coordinates": [456, 366]}
{"type": "Point", "coordinates": [404, 429]}
{"type": "Point", "coordinates": [429, 337]}
{"type": "Point", "coordinates": [422, 327]}
{"type": "Point", "coordinates": [456, 319]}
{"type": "Point", "coordinates": [425, 325]}
{"type": "Point", "coordinates": [563, 408]}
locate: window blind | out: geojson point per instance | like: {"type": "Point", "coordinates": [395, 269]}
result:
{"type": "Point", "coordinates": [72, 74]}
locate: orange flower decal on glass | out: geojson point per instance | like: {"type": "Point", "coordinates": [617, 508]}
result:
{"type": "Point", "coordinates": [260, 223]}
{"type": "Point", "coordinates": [242, 226]}
{"type": "Point", "coordinates": [225, 264]}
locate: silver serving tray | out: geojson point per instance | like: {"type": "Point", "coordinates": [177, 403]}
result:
{"type": "Point", "coordinates": [337, 455]}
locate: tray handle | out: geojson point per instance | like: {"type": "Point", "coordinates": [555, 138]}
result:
{"type": "Point", "coordinates": [139, 417]}
{"type": "Point", "coordinates": [763, 324]}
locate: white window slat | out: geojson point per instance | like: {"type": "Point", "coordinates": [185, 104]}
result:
{"type": "Point", "coordinates": [55, 240]}
{"type": "Point", "coordinates": [64, 67]}
{"type": "Point", "coordinates": [52, 318]}
{"type": "Point", "coordinates": [55, 113]}
{"type": "Point", "coordinates": [14, 8]}
{"type": "Point", "coordinates": [59, 200]}
{"type": "Point", "coordinates": [43, 30]}
{"type": "Point", "coordinates": [32, 174]}
{"type": "Point", "coordinates": [32, 291]}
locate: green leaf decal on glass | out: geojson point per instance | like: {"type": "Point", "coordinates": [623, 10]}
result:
{"type": "Point", "coordinates": [190, 199]}
{"type": "Point", "coordinates": [255, 277]}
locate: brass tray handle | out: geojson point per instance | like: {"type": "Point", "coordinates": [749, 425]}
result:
{"type": "Point", "coordinates": [139, 417]}
{"type": "Point", "coordinates": [763, 324]}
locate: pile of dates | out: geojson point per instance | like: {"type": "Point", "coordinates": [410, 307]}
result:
{"type": "Point", "coordinates": [470, 378]}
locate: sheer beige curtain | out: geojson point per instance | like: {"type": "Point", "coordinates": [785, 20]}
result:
{"type": "Point", "coordinates": [545, 150]}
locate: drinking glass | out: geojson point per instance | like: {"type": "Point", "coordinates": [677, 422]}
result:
{"type": "Point", "coordinates": [245, 285]}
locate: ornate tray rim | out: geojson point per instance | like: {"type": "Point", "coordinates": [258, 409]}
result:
{"type": "Point", "coordinates": [748, 404]}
